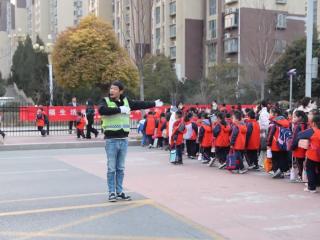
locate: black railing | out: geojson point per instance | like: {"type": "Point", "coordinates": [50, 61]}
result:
{"type": "Point", "coordinates": [14, 123]}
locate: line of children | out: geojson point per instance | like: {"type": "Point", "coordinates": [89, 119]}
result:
{"type": "Point", "coordinates": [242, 136]}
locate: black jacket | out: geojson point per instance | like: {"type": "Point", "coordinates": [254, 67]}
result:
{"type": "Point", "coordinates": [104, 110]}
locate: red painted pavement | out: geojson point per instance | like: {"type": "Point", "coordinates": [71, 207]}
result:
{"type": "Point", "coordinates": [250, 206]}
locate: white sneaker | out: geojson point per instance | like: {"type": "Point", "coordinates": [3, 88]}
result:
{"type": "Point", "coordinates": [276, 174]}
{"type": "Point", "coordinates": [200, 157]}
{"type": "Point", "coordinates": [242, 171]}
{"type": "Point", "coordinates": [211, 163]}
{"type": "Point", "coordinates": [308, 190]}
{"type": "Point", "coordinates": [223, 165]}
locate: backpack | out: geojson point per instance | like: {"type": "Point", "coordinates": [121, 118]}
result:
{"type": "Point", "coordinates": [284, 139]}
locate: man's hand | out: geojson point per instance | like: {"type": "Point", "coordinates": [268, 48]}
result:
{"type": "Point", "coordinates": [125, 110]}
{"type": "Point", "coordinates": [158, 103]}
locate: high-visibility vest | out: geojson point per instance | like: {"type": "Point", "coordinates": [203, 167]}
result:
{"type": "Point", "coordinates": [118, 121]}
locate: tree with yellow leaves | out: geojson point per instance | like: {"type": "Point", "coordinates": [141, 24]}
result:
{"type": "Point", "coordinates": [89, 55]}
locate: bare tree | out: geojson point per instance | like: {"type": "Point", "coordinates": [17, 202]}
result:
{"type": "Point", "coordinates": [137, 33]}
{"type": "Point", "coordinates": [262, 50]}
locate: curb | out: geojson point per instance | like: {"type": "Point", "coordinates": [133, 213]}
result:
{"type": "Point", "coordinates": [59, 145]}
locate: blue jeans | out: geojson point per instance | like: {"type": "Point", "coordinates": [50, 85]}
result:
{"type": "Point", "coordinates": [144, 139]}
{"type": "Point", "coordinates": [116, 150]}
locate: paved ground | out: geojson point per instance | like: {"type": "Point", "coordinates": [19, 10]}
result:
{"type": "Point", "coordinates": [251, 206]}
{"type": "Point", "coordinates": [13, 143]}
{"type": "Point", "coordinates": [59, 194]}
{"type": "Point", "coordinates": [43, 197]}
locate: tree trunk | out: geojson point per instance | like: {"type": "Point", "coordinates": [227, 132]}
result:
{"type": "Point", "coordinates": [141, 85]}
{"type": "Point", "coordinates": [262, 89]}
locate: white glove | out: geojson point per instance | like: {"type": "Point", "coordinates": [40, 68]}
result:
{"type": "Point", "coordinates": [125, 110]}
{"type": "Point", "coordinates": [159, 103]}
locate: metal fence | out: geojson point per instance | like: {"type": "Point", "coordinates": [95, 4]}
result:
{"type": "Point", "coordinates": [12, 125]}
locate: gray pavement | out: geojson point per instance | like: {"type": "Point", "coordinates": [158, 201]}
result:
{"type": "Point", "coordinates": [44, 197]}
{"type": "Point", "coordinates": [14, 143]}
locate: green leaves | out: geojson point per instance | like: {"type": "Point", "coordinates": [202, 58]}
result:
{"type": "Point", "coordinates": [160, 80]}
{"type": "Point", "coordinates": [30, 71]}
{"type": "Point", "coordinates": [89, 55]}
{"type": "Point", "coordinates": [278, 80]}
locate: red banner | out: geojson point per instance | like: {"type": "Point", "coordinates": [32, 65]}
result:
{"type": "Point", "coordinates": [62, 114]}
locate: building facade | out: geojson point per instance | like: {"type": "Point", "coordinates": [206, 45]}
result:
{"type": "Point", "coordinates": [132, 25]}
{"type": "Point", "coordinates": [251, 33]}
{"type": "Point", "coordinates": [177, 32]}
{"type": "Point", "coordinates": [103, 9]}
{"type": "Point", "coordinates": [7, 25]}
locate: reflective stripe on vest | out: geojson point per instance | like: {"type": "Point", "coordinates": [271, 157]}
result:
{"type": "Point", "coordinates": [117, 121]}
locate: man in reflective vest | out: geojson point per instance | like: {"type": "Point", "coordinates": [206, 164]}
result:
{"type": "Point", "coordinates": [115, 113]}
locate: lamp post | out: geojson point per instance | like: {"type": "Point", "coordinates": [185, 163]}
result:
{"type": "Point", "coordinates": [291, 73]}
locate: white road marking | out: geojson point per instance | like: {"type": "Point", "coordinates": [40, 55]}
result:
{"type": "Point", "coordinates": [284, 228]}
{"type": "Point", "coordinates": [34, 171]}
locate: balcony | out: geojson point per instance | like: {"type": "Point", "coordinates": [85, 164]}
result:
{"type": "Point", "coordinates": [230, 1]}
{"type": "Point", "coordinates": [231, 21]}
{"type": "Point", "coordinates": [173, 33]}
{"type": "Point", "coordinates": [231, 45]}
{"type": "Point", "coordinates": [172, 8]}
{"type": "Point", "coordinates": [173, 53]}
{"type": "Point", "coordinates": [281, 1]}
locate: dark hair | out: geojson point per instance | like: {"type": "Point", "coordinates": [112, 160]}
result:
{"type": "Point", "coordinates": [238, 115]}
{"type": "Point", "coordinates": [264, 103]}
{"type": "Point", "coordinates": [223, 104]}
{"type": "Point", "coordinates": [251, 114]}
{"type": "Point", "coordinates": [228, 115]}
{"type": "Point", "coordinates": [179, 113]}
{"type": "Point", "coordinates": [119, 84]}
{"type": "Point", "coordinates": [305, 101]}
{"type": "Point", "coordinates": [316, 120]}
{"type": "Point", "coordinates": [162, 115]}
{"type": "Point", "coordinates": [276, 110]}
{"type": "Point", "coordinates": [79, 113]}
{"type": "Point", "coordinates": [247, 110]}
{"type": "Point", "coordinates": [302, 115]}
{"type": "Point", "coordinates": [89, 102]}
{"type": "Point", "coordinates": [150, 113]}
{"type": "Point", "coordinates": [221, 116]}
{"type": "Point", "coordinates": [187, 118]}
{"type": "Point", "coordinates": [168, 116]}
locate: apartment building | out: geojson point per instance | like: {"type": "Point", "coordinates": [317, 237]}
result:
{"type": "Point", "coordinates": [177, 32]}
{"type": "Point", "coordinates": [64, 14]}
{"type": "Point", "coordinates": [132, 25]}
{"type": "Point", "coordinates": [103, 9]}
{"type": "Point", "coordinates": [7, 25]}
{"type": "Point", "coordinates": [252, 33]}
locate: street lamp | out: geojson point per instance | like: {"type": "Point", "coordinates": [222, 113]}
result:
{"type": "Point", "coordinates": [48, 49]}
{"type": "Point", "coordinates": [291, 73]}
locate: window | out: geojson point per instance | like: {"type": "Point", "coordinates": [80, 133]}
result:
{"type": "Point", "coordinates": [172, 8]}
{"type": "Point", "coordinates": [212, 29]}
{"type": "Point", "coordinates": [281, 21]}
{"type": "Point", "coordinates": [172, 31]}
{"type": "Point", "coordinates": [212, 53]}
{"type": "Point", "coordinates": [157, 15]}
{"type": "Point", "coordinates": [231, 20]}
{"type": "Point", "coordinates": [173, 52]}
{"type": "Point", "coordinates": [281, 1]}
{"type": "Point", "coordinates": [280, 46]}
{"type": "Point", "coordinates": [231, 45]}
{"type": "Point", "coordinates": [212, 7]}
{"type": "Point", "coordinates": [158, 38]}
